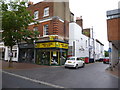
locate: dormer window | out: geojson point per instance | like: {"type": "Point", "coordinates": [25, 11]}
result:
{"type": "Point", "coordinates": [46, 12]}
{"type": "Point", "coordinates": [36, 15]}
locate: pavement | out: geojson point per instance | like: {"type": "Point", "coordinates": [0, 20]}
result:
{"type": "Point", "coordinates": [115, 71]}
{"type": "Point", "coordinates": [16, 65]}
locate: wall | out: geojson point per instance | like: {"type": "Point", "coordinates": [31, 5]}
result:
{"type": "Point", "coordinates": [113, 54]}
{"type": "Point", "coordinates": [62, 10]}
{"type": "Point", "coordinates": [113, 26]}
{"type": "Point", "coordinates": [58, 19]}
{"type": "Point", "coordinates": [75, 35]}
{"type": "Point", "coordinates": [15, 53]}
{"type": "Point", "coordinates": [99, 50]}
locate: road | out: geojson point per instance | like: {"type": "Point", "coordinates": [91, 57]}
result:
{"type": "Point", "coordinates": [10, 81]}
{"type": "Point", "coordinates": [92, 76]}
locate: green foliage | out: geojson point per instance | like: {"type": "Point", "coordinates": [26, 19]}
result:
{"type": "Point", "coordinates": [106, 53]}
{"type": "Point", "coordinates": [15, 20]}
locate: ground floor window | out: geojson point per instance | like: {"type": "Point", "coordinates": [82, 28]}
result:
{"type": "Point", "coordinates": [50, 57]}
{"type": "Point", "coordinates": [26, 55]}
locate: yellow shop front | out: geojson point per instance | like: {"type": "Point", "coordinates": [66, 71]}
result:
{"type": "Point", "coordinates": [51, 52]}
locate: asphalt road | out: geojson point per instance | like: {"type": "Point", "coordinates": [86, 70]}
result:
{"type": "Point", "coordinates": [10, 81]}
{"type": "Point", "coordinates": [92, 76]}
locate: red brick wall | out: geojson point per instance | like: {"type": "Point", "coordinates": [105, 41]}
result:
{"type": "Point", "coordinates": [56, 27]}
{"type": "Point", "coordinates": [40, 7]}
{"type": "Point", "coordinates": [113, 27]}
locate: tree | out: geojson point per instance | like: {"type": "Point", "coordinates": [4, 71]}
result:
{"type": "Point", "coordinates": [106, 53]}
{"type": "Point", "coordinates": [15, 21]}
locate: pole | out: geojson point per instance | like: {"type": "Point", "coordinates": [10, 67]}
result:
{"type": "Point", "coordinates": [73, 48]}
{"type": "Point", "coordinates": [93, 44]}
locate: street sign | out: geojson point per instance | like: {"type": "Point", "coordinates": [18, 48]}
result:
{"type": "Point", "coordinates": [109, 50]}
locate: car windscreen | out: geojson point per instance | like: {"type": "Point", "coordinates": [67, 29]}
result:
{"type": "Point", "coordinates": [71, 59]}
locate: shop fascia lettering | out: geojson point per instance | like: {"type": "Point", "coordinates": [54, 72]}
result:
{"type": "Point", "coordinates": [51, 45]}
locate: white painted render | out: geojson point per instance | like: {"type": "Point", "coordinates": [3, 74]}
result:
{"type": "Point", "coordinates": [84, 46]}
{"type": "Point", "coordinates": [81, 41]}
{"type": "Point", "coordinates": [113, 54]}
{"type": "Point", "coordinates": [99, 50]}
{"type": "Point", "coordinates": [15, 51]}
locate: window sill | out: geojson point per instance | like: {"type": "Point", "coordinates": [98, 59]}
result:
{"type": "Point", "coordinates": [46, 15]}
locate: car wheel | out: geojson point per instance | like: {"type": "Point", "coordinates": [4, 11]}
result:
{"type": "Point", "coordinates": [65, 67]}
{"type": "Point", "coordinates": [76, 66]}
{"type": "Point", "coordinates": [83, 65]}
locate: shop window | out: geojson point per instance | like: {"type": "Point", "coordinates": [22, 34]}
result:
{"type": "Point", "coordinates": [46, 12]}
{"type": "Point", "coordinates": [36, 15]}
{"type": "Point", "coordinates": [45, 28]}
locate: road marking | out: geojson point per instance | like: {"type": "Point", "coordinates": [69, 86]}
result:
{"type": "Point", "coordinates": [33, 80]}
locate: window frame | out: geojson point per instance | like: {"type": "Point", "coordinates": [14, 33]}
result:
{"type": "Point", "coordinates": [46, 12]}
{"type": "Point", "coordinates": [45, 30]}
{"type": "Point", "coordinates": [36, 16]}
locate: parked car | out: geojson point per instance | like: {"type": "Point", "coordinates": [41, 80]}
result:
{"type": "Point", "coordinates": [75, 62]}
{"type": "Point", "coordinates": [99, 60]}
{"type": "Point", "coordinates": [106, 60]}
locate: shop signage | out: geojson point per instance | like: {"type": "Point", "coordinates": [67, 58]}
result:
{"type": "Point", "coordinates": [109, 50]}
{"type": "Point", "coordinates": [52, 45]}
{"type": "Point", "coordinates": [54, 53]}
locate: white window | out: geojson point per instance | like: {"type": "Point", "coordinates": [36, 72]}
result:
{"type": "Point", "coordinates": [36, 15]}
{"type": "Point", "coordinates": [35, 29]}
{"type": "Point", "coordinates": [46, 12]}
{"type": "Point", "coordinates": [45, 28]}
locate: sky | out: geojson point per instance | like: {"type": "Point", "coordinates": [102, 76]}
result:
{"type": "Point", "coordinates": [93, 13]}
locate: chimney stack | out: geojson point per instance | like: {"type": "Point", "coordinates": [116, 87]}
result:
{"type": "Point", "coordinates": [30, 3]}
{"type": "Point", "coordinates": [79, 21]}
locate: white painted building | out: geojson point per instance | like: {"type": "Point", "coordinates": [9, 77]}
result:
{"type": "Point", "coordinates": [78, 43]}
{"type": "Point", "coordinates": [15, 52]}
{"type": "Point", "coordinates": [82, 46]}
{"type": "Point", "coordinates": [99, 50]}
{"type": "Point", "coordinates": [5, 51]}
{"type": "Point", "coordinates": [2, 48]}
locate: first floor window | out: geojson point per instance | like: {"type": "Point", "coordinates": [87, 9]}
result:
{"type": "Point", "coordinates": [46, 12]}
{"type": "Point", "coordinates": [36, 15]}
{"type": "Point", "coordinates": [45, 28]}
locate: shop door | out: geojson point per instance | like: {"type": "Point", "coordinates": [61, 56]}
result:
{"type": "Point", "coordinates": [55, 58]}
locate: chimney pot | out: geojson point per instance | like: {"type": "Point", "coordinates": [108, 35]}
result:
{"type": "Point", "coordinates": [30, 3]}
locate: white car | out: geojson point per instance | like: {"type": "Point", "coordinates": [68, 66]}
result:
{"type": "Point", "coordinates": [74, 62]}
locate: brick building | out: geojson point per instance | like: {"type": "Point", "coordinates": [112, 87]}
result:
{"type": "Point", "coordinates": [113, 29]}
{"type": "Point", "coordinates": [53, 24]}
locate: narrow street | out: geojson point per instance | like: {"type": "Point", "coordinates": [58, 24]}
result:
{"type": "Point", "coordinates": [92, 76]}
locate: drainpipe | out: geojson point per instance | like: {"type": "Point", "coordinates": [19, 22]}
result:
{"type": "Point", "coordinates": [74, 48]}
{"type": "Point", "coordinates": [89, 48]}
{"type": "Point", "coordinates": [110, 56]}
{"type": "Point", "coordinates": [64, 21]}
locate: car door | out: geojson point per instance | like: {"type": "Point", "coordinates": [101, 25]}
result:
{"type": "Point", "coordinates": [79, 62]}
